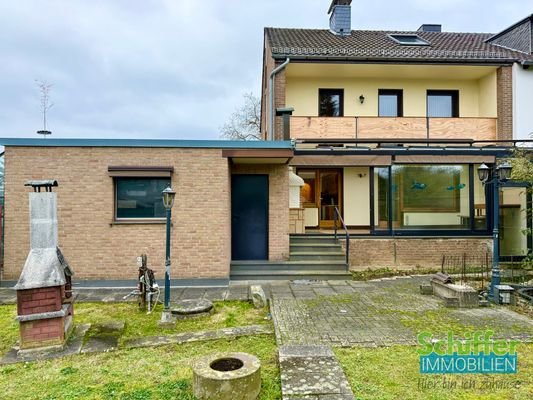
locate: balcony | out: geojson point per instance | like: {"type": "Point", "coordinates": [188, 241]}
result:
{"type": "Point", "coordinates": [392, 128]}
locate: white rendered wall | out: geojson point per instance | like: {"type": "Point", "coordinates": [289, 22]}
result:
{"type": "Point", "coordinates": [522, 102]}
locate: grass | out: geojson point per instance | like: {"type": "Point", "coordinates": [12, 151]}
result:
{"type": "Point", "coordinates": [393, 373]}
{"type": "Point", "coordinates": [139, 374]}
{"type": "Point", "coordinates": [138, 323]}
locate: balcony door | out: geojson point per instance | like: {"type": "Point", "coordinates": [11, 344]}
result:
{"type": "Point", "coordinates": [321, 193]}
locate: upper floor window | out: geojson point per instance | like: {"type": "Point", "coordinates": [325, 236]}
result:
{"type": "Point", "coordinates": [390, 103]}
{"type": "Point", "coordinates": [409, 40]}
{"type": "Point", "coordinates": [330, 102]}
{"type": "Point", "coordinates": [443, 103]}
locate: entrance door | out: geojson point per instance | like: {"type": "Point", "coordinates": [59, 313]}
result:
{"type": "Point", "coordinates": [249, 217]}
{"type": "Point", "coordinates": [320, 195]}
{"type": "Point", "coordinates": [330, 194]}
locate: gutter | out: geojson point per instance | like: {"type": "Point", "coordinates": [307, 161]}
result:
{"type": "Point", "coordinates": [271, 97]}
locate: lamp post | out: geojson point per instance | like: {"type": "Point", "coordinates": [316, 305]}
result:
{"type": "Point", "coordinates": [495, 176]}
{"type": "Point", "coordinates": [168, 202]}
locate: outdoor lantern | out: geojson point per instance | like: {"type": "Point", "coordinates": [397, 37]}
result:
{"type": "Point", "coordinates": [504, 171]}
{"type": "Point", "coordinates": [168, 197]}
{"type": "Point", "coordinates": [483, 172]}
{"type": "Point", "coordinates": [362, 99]}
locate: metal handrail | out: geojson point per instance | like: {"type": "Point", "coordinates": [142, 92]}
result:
{"type": "Point", "coordinates": [337, 215]}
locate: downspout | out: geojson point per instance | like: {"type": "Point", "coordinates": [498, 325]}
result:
{"type": "Point", "coordinates": [271, 98]}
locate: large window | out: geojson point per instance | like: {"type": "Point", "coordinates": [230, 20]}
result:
{"type": "Point", "coordinates": [140, 197]}
{"type": "Point", "coordinates": [330, 102]}
{"type": "Point", "coordinates": [443, 103]}
{"type": "Point", "coordinates": [422, 197]}
{"type": "Point", "coordinates": [390, 103]}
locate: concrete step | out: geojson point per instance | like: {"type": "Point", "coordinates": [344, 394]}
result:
{"type": "Point", "coordinates": [305, 265]}
{"type": "Point", "coordinates": [289, 275]}
{"type": "Point", "coordinates": [312, 239]}
{"type": "Point", "coordinates": [317, 256]}
{"type": "Point", "coordinates": [315, 247]}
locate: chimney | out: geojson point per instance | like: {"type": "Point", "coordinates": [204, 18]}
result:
{"type": "Point", "coordinates": [340, 18]}
{"type": "Point", "coordinates": [430, 28]}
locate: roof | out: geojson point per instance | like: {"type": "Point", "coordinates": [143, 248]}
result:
{"type": "Point", "coordinates": [364, 45]}
{"type": "Point", "coordinates": [209, 144]}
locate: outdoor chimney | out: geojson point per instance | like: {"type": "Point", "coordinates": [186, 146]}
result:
{"type": "Point", "coordinates": [44, 289]}
{"type": "Point", "coordinates": [340, 18]}
{"type": "Point", "coordinates": [430, 28]}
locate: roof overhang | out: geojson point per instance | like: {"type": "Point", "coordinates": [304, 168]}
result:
{"type": "Point", "coordinates": [255, 156]}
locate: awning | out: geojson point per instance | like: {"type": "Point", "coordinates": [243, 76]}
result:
{"type": "Point", "coordinates": [423, 159]}
{"type": "Point", "coordinates": [258, 156]}
{"type": "Point", "coordinates": [140, 171]}
{"type": "Point", "coordinates": [341, 161]}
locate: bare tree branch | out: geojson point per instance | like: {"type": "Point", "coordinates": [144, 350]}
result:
{"type": "Point", "coordinates": [244, 123]}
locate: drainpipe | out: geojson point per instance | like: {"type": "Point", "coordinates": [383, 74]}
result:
{"type": "Point", "coordinates": [271, 97]}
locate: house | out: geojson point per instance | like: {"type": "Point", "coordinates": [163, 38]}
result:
{"type": "Point", "coordinates": [375, 133]}
{"type": "Point", "coordinates": [390, 128]}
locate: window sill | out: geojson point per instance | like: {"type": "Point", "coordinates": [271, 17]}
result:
{"type": "Point", "coordinates": [139, 221]}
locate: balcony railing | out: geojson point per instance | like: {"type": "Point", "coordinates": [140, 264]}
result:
{"type": "Point", "coordinates": [391, 128]}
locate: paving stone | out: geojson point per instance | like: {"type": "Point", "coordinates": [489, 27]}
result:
{"type": "Point", "coordinates": [186, 337]}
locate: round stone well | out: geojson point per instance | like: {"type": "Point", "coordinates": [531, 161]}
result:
{"type": "Point", "coordinates": [227, 376]}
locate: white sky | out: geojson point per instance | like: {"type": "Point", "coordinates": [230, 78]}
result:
{"type": "Point", "coordinates": [173, 68]}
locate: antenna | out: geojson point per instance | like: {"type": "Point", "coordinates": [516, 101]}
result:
{"type": "Point", "coordinates": [44, 89]}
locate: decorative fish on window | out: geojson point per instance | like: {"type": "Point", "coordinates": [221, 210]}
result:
{"type": "Point", "coordinates": [458, 187]}
{"type": "Point", "coordinates": [418, 185]}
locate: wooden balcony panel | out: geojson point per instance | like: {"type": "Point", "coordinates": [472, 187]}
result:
{"type": "Point", "coordinates": [463, 128]}
{"type": "Point", "coordinates": [391, 128]}
{"type": "Point", "coordinates": [322, 127]}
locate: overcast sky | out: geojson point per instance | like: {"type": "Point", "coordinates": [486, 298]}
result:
{"type": "Point", "coordinates": [173, 68]}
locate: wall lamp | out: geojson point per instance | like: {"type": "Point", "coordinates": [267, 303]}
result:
{"type": "Point", "coordinates": [361, 99]}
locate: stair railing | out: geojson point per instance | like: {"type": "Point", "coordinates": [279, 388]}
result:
{"type": "Point", "coordinates": [337, 217]}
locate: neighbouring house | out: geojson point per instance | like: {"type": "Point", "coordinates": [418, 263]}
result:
{"type": "Point", "coordinates": [382, 130]}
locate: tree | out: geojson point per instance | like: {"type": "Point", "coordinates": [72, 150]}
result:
{"type": "Point", "coordinates": [244, 123]}
{"type": "Point", "coordinates": [46, 105]}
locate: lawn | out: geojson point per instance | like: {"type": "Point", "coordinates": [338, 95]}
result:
{"type": "Point", "coordinates": [393, 373]}
{"type": "Point", "coordinates": [139, 374]}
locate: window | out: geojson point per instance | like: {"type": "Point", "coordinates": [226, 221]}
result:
{"type": "Point", "coordinates": [390, 103]}
{"type": "Point", "coordinates": [443, 103]}
{"type": "Point", "coordinates": [423, 197]}
{"type": "Point", "coordinates": [140, 197]}
{"type": "Point", "coordinates": [409, 40]}
{"type": "Point", "coordinates": [330, 102]}
{"type": "Point", "coordinates": [138, 191]}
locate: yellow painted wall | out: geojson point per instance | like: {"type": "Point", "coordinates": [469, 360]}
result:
{"type": "Point", "coordinates": [356, 196]}
{"type": "Point", "coordinates": [302, 94]}
{"type": "Point", "coordinates": [487, 96]}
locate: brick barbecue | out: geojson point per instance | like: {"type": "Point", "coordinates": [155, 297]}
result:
{"type": "Point", "coordinates": [44, 289]}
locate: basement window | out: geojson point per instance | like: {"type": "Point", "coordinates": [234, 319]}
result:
{"type": "Point", "coordinates": [409, 40]}
{"type": "Point", "coordinates": [138, 192]}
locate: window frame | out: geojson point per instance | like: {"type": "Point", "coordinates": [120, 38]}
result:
{"type": "Point", "coordinates": [340, 92]}
{"type": "Point", "coordinates": [148, 173]}
{"type": "Point", "coordinates": [454, 94]}
{"type": "Point", "coordinates": [399, 99]}
{"type": "Point", "coordinates": [397, 38]}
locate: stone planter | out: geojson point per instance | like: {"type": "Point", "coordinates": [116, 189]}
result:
{"type": "Point", "coordinates": [227, 376]}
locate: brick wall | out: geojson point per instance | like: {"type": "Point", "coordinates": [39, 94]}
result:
{"type": "Point", "coordinates": [278, 206]}
{"type": "Point", "coordinates": [296, 220]}
{"type": "Point", "coordinates": [41, 333]}
{"type": "Point", "coordinates": [98, 249]}
{"type": "Point", "coordinates": [505, 102]}
{"type": "Point", "coordinates": [279, 92]}
{"type": "Point", "coordinates": [409, 253]}
{"type": "Point", "coordinates": [40, 300]}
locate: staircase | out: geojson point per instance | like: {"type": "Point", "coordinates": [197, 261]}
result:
{"type": "Point", "coordinates": [317, 257]}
